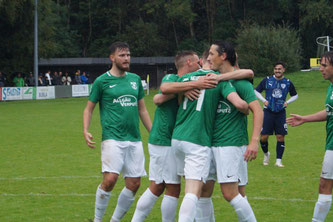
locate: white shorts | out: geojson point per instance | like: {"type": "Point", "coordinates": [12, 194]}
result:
{"type": "Point", "coordinates": [327, 168]}
{"type": "Point", "coordinates": [124, 157]}
{"type": "Point", "coordinates": [243, 176]}
{"type": "Point", "coordinates": [163, 165]}
{"type": "Point", "coordinates": [193, 160]}
{"type": "Point", "coordinates": [228, 163]}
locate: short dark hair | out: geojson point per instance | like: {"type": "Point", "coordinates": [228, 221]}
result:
{"type": "Point", "coordinates": [118, 45]}
{"type": "Point", "coordinates": [180, 57]}
{"type": "Point", "coordinates": [280, 63]}
{"type": "Point", "coordinates": [226, 47]}
{"type": "Point", "coordinates": [328, 56]}
{"type": "Point", "coordinates": [205, 54]}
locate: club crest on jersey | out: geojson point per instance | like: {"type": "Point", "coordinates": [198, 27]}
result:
{"type": "Point", "coordinates": [283, 85]}
{"type": "Point", "coordinates": [277, 93]}
{"type": "Point", "coordinates": [133, 84]}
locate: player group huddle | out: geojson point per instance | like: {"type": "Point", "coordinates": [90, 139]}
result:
{"type": "Point", "coordinates": [199, 132]}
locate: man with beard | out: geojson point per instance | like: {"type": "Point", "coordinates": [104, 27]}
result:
{"type": "Point", "coordinates": [277, 88]}
{"type": "Point", "coordinates": [120, 96]}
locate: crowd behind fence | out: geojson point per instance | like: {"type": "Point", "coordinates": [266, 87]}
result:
{"type": "Point", "coordinates": [19, 79]}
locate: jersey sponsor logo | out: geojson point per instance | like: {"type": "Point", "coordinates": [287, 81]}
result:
{"type": "Point", "coordinates": [134, 86]}
{"type": "Point", "coordinates": [283, 85]}
{"type": "Point", "coordinates": [223, 107]}
{"type": "Point", "coordinates": [277, 93]}
{"type": "Point", "coordinates": [270, 84]}
{"type": "Point", "coordinates": [126, 100]}
{"type": "Point", "coordinates": [112, 86]}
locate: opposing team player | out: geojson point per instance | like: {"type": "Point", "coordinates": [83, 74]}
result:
{"type": "Point", "coordinates": [324, 202]}
{"type": "Point", "coordinates": [120, 96]}
{"type": "Point", "coordinates": [162, 165]}
{"type": "Point", "coordinates": [277, 88]}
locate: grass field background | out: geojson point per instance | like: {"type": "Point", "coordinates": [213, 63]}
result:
{"type": "Point", "coordinates": [47, 173]}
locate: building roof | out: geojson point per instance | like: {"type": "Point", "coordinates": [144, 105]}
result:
{"type": "Point", "coordinates": [103, 61]}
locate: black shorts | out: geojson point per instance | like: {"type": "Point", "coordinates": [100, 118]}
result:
{"type": "Point", "coordinates": [274, 122]}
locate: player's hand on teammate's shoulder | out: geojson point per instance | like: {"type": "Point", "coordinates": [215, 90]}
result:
{"type": "Point", "coordinates": [206, 82]}
{"type": "Point", "coordinates": [88, 137]}
{"type": "Point", "coordinates": [192, 94]}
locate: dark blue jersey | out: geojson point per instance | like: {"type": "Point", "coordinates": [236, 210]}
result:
{"type": "Point", "coordinates": [276, 92]}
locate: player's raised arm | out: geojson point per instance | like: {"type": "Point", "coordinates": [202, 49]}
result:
{"type": "Point", "coordinates": [87, 113]}
{"type": "Point", "coordinates": [237, 74]}
{"type": "Point", "coordinates": [162, 98]}
{"type": "Point", "coordinates": [296, 120]}
{"type": "Point", "coordinates": [144, 115]}
{"type": "Point", "coordinates": [177, 87]}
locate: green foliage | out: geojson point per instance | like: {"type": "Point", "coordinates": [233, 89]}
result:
{"type": "Point", "coordinates": [259, 47]}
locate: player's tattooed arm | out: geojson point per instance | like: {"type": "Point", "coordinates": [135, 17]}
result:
{"type": "Point", "coordinates": [296, 120]}
{"type": "Point", "coordinates": [87, 113]}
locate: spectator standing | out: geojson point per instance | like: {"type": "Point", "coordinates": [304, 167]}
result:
{"type": "Point", "coordinates": [48, 78]}
{"type": "Point", "coordinates": [84, 78]}
{"type": "Point", "coordinates": [2, 79]}
{"type": "Point", "coordinates": [31, 80]}
{"type": "Point", "coordinates": [18, 80]}
{"type": "Point", "coordinates": [41, 80]}
{"type": "Point", "coordinates": [78, 77]}
{"type": "Point", "coordinates": [66, 79]}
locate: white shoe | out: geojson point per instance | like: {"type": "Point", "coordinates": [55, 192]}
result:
{"type": "Point", "coordinates": [279, 165]}
{"type": "Point", "coordinates": [266, 159]}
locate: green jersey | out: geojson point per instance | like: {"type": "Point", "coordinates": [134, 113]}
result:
{"type": "Point", "coordinates": [195, 118]}
{"type": "Point", "coordinates": [118, 103]}
{"type": "Point", "coordinates": [165, 118]}
{"type": "Point", "coordinates": [329, 120]}
{"type": "Point", "coordinates": [230, 128]}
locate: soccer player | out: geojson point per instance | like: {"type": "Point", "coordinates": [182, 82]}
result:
{"type": "Point", "coordinates": [162, 165]}
{"type": "Point", "coordinates": [229, 141]}
{"type": "Point", "coordinates": [323, 204]}
{"type": "Point", "coordinates": [277, 88]}
{"type": "Point", "coordinates": [192, 138]}
{"type": "Point", "coordinates": [120, 96]}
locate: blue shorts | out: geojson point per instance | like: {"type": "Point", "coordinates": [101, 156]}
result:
{"type": "Point", "coordinates": [274, 122]}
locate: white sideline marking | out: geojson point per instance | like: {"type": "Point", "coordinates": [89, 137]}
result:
{"type": "Point", "coordinates": [92, 194]}
{"type": "Point", "coordinates": [37, 178]}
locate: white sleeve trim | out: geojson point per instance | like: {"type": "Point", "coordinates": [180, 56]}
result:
{"type": "Point", "coordinates": [292, 99]}
{"type": "Point", "coordinates": [259, 96]}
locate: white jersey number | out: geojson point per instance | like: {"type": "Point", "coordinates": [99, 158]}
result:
{"type": "Point", "coordinates": [199, 102]}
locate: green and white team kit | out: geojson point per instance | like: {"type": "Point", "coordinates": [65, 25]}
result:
{"type": "Point", "coordinates": [230, 128]}
{"type": "Point", "coordinates": [165, 118]}
{"type": "Point", "coordinates": [329, 119]}
{"type": "Point", "coordinates": [195, 118]}
{"type": "Point", "coordinates": [118, 103]}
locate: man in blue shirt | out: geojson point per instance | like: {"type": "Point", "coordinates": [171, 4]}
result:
{"type": "Point", "coordinates": [277, 88]}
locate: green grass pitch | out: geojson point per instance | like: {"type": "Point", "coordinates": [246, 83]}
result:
{"type": "Point", "coordinates": [47, 173]}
